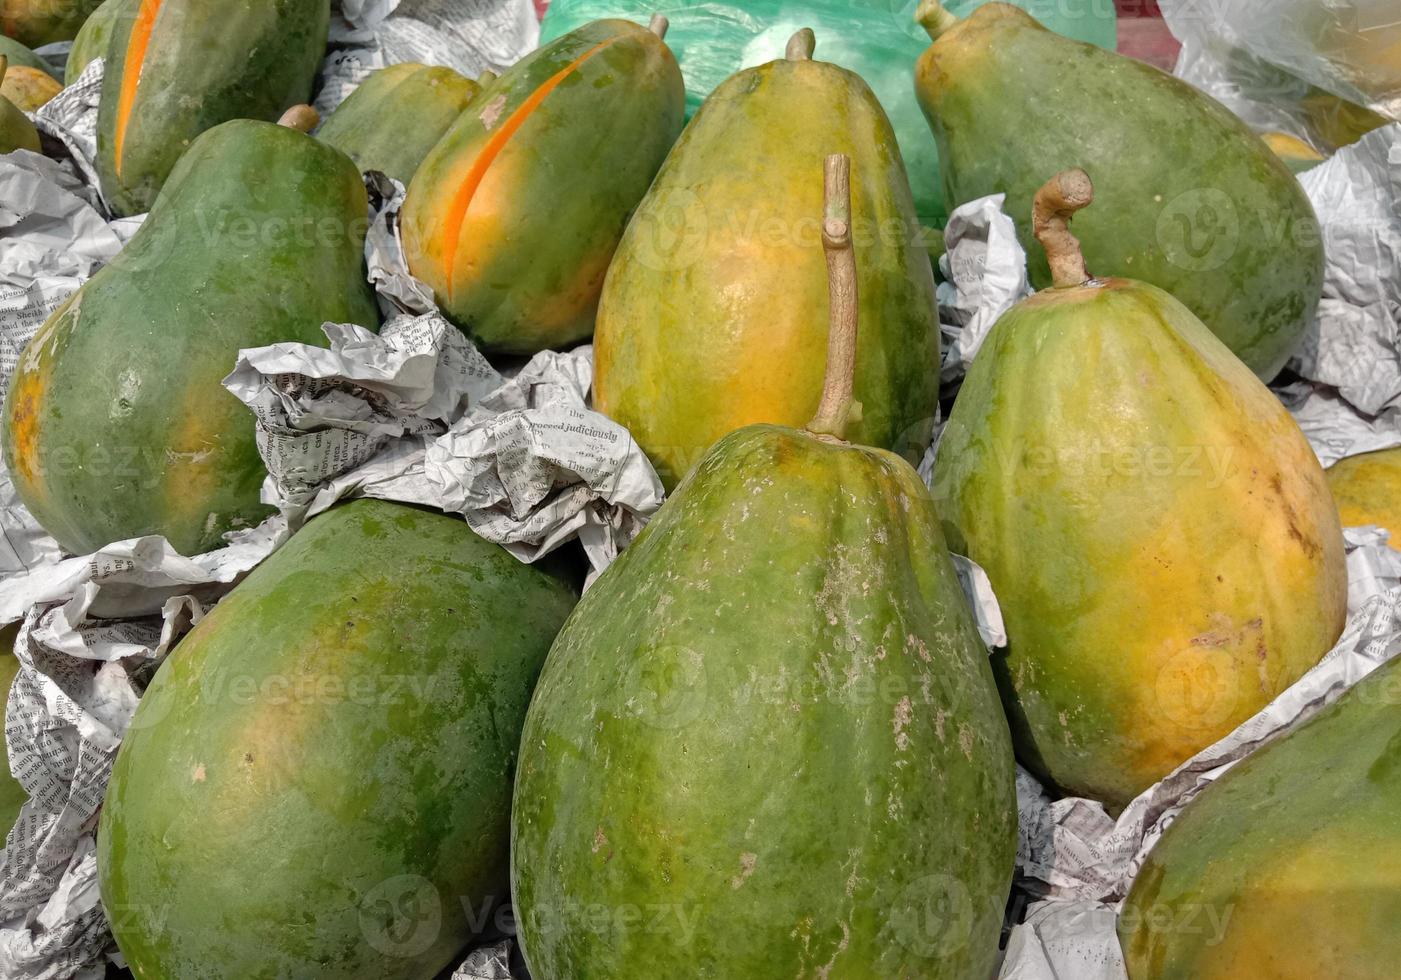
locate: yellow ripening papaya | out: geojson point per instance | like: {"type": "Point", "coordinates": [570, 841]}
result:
{"type": "Point", "coordinates": [1297, 155]}
{"type": "Point", "coordinates": [514, 216]}
{"type": "Point", "coordinates": [29, 88]}
{"type": "Point", "coordinates": [714, 309]}
{"type": "Point", "coordinates": [1158, 530]}
{"type": "Point", "coordinates": [1367, 489]}
{"type": "Point", "coordinates": [1287, 867]}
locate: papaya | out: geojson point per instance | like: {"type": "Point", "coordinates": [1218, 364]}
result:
{"type": "Point", "coordinates": [713, 312]}
{"type": "Point", "coordinates": [1196, 203]}
{"type": "Point", "coordinates": [342, 729]}
{"type": "Point", "coordinates": [1287, 865]}
{"type": "Point", "coordinates": [1367, 489]}
{"type": "Point", "coordinates": [767, 742]}
{"type": "Point", "coordinates": [391, 121]}
{"type": "Point", "coordinates": [1297, 155]}
{"type": "Point", "coordinates": [29, 88]}
{"type": "Point", "coordinates": [16, 131]}
{"type": "Point", "coordinates": [93, 40]}
{"type": "Point", "coordinates": [1156, 528]}
{"type": "Point", "coordinates": [19, 55]}
{"type": "Point", "coordinates": [35, 23]}
{"type": "Point", "coordinates": [116, 423]}
{"type": "Point", "coordinates": [12, 794]}
{"type": "Point", "coordinates": [176, 68]}
{"type": "Point", "coordinates": [514, 215]}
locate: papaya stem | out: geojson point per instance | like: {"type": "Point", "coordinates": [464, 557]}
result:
{"type": "Point", "coordinates": [1051, 211]}
{"type": "Point", "coordinates": [835, 409]}
{"type": "Point", "coordinates": [302, 118]}
{"type": "Point", "coordinates": [659, 26]}
{"type": "Point", "coordinates": [486, 78]}
{"type": "Point", "coordinates": [801, 45]}
{"type": "Point", "coordinates": [935, 18]}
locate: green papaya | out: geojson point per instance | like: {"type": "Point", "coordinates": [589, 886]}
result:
{"type": "Point", "coordinates": [116, 424]}
{"type": "Point", "coordinates": [714, 309]}
{"type": "Point", "coordinates": [514, 216]}
{"type": "Point", "coordinates": [16, 131]}
{"type": "Point", "coordinates": [391, 121]}
{"type": "Point", "coordinates": [1285, 867]}
{"type": "Point", "coordinates": [1367, 489]}
{"type": "Point", "coordinates": [19, 55]}
{"type": "Point", "coordinates": [1196, 204]}
{"type": "Point", "coordinates": [177, 68]}
{"type": "Point", "coordinates": [1157, 529]}
{"type": "Point", "coordinates": [95, 37]}
{"type": "Point", "coordinates": [767, 742]}
{"type": "Point", "coordinates": [35, 23]}
{"type": "Point", "coordinates": [341, 732]}
{"type": "Point", "coordinates": [12, 794]}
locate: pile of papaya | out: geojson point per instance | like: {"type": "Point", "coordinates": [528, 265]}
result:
{"type": "Point", "coordinates": [770, 739]}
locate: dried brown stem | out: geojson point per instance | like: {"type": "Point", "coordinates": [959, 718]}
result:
{"type": "Point", "coordinates": [934, 18]}
{"type": "Point", "coordinates": [835, 409]}
{"type": "Point", "coordinates": [1051, 211]}
{"type": "Point", "coordinates": [659, 26]}
{"type": "Point", "coordinates": [302, 118]}
{"type": "Point", "coordinates": [801, 45]}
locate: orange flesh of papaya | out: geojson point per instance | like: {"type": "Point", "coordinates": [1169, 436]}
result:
{"type": "Point", "coordinates": [131, 77]}
{"type": "Point", "coordinates": [450, 238]}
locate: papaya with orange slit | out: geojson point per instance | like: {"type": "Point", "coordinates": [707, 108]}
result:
{"type": "Point", "coordinates": [514, 216]}
{"type": "Point", "coordinates": [176, 68]}
{"type": "Point", "coordinates": [116, 424]}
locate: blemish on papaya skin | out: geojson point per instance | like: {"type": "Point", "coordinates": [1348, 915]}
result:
{"type": "Point", "coordinates": [747, 863]}
{"type": "Point", "coordinates": [199, 773]}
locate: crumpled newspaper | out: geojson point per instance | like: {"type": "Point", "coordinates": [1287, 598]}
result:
{"type": "Point", "coordinates": [469, 37]}
{"type": "Point", "coordinates": [415, 414]}
{"type": "Point", "coordinates": [491, 962]}
{"type": "Point", "coordinates": [1082, 861]}
{"type": "Point", "coordinates": [1355, 345]}
{"type": "Point", "coordinates": [984, 272]}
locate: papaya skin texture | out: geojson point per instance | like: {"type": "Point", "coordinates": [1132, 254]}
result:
{"type": "Point", "coordinates": [1190, 199]}
{"type": "Point", "coordinates": [1158, 531]}
{"type": "Point", "coordinates": [355, 706]}
{"type": "Point", "coordinates": [35, 23]}
{"type": "Point", "coordinates": [92, 41]}
{"type": "Point", "coordinates": [1286, 867]}
{"type": "Point", "coordinates": [1367, 489]}
{"type": "Point", "coordinates": [804, 749]}
{"type": "Point", "coordinates": [177, 68]}
{"type": "Point", "coordinates": [514, 216]}
{"type": "Point", "coordinates": [715, 309]}
{"type": "Point", "coordinates": [116, 424]}
{"type": "Point", "coordinates": [396, 116]}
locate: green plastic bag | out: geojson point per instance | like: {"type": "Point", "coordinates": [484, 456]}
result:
{"type": "Point", "coordinates": [877, 39]}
